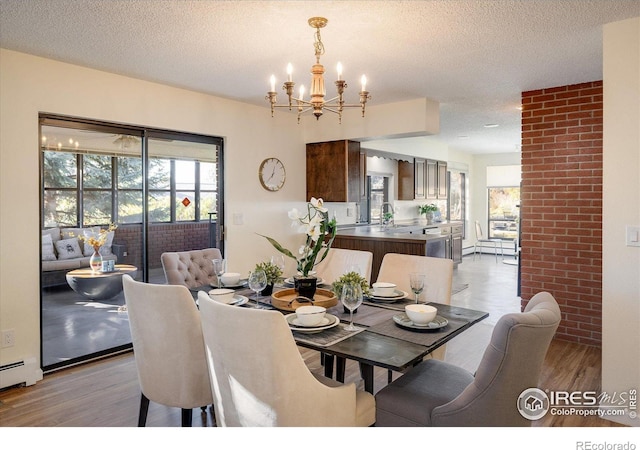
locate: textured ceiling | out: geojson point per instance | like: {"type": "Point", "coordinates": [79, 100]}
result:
{"type": "Point", "coordinates": [474, 57]}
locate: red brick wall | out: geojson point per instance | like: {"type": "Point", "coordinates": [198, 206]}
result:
{"type": "Point", "coordinates": [561, 205]}
{"type": "Point", "coordinates": [174, 237]}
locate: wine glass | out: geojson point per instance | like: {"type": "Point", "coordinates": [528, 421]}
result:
{"type": "Point", "coordinates": [351, 298]}
{"type": "Point", "coordinates": [257, 282]}
{"type": "Point", "coordinates": [417, 283]}
{"type": "Point", "coordinates": [219, 268]}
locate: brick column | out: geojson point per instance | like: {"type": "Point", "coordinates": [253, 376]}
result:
{"type": "Point", "coordinates": [561, 204]}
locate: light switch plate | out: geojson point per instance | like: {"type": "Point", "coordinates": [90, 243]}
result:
{"type": "Point", "coordinates": [632, 236]}
{"type": "Point", "coordinates": [238, 219]}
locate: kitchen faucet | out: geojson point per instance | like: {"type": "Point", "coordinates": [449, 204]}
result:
{"type": "Point", "coordinates": [382, 224]}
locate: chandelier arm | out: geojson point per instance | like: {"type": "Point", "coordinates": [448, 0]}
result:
{"type": "Point", "coordinates": [317, 103]}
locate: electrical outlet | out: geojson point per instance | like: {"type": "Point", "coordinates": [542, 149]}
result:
{"type": "Point", "coordinates": [8, 338]}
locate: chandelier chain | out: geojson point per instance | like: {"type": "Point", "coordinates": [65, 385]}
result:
{"type": "Point", "coordinates": [318, 45]}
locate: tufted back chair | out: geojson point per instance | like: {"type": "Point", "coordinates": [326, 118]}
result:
{"type": "Point", "coordinates": [436, 393]}
{"type": "Point", "coordinates": [191, 269]}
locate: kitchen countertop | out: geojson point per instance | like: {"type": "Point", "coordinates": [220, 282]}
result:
{"type": "Point", "coordinates": [411, 231]}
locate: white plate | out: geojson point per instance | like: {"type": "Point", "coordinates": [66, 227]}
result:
{"type": "Point", "coordinates": [404, 322]}
{"type": "Point", "coordinates": [332, 321]}
{"type": "Point", "coordinates": [400, 296]}
{"type": "Point", "coordinates": [397, 293]}
{"type": "Point", "coordinates": [296, 322]}
{"type": "Point", "coordinates": [242, 283]}
{"type": "Point", "coordinates": [238, 300]}
{"type": "Point", "coordinates": [290, 282]}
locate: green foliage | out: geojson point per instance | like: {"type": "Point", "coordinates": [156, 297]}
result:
{"type": "Point", "coordinates": [320, 232]}
{"type": "Point", "coordinates": [272, 271]}
{"type": "Point", "coordinates": [424, 209]}
{"type": "Point", "coordinates": [351, 277]}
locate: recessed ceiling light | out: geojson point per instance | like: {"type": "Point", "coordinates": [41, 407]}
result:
{"type": "Point", "coordinates": [491, 125]}
{"type": "Point", "coordinates": [463, 137]}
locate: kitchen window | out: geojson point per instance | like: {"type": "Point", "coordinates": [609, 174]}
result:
{"type": "Point", "coordinates": [503, 212]}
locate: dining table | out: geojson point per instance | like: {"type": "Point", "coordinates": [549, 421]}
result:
{"type": "Point", "coordinates": [384, 337]}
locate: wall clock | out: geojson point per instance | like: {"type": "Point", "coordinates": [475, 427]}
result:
{"type": "Point", "coordinates": [272, 174]}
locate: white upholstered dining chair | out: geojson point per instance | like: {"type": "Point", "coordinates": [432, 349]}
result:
{"type": "Point", "coordinates": [168, 347]}
{"type": "Point", "coordinates": [260, 379]}
{"type": "Point", "coordinates": [340, 261]}
{"type": "Point", "coordinates": [438, 274]}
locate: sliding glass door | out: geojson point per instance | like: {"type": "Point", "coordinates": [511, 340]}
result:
{"type": "Point", "coordinates": [136, 192]}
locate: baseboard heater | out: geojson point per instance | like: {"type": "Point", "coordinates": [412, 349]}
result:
{"type": "Point", "coordinates": [20, 372]}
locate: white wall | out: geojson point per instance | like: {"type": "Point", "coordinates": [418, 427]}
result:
{"type": "Point", "coordinates": [30, 85]}
{"type": "Point", "coordinates": [621, 207]}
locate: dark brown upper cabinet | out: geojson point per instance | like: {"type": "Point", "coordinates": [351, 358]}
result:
{"type": "Point", "coordinates": [336, 171]}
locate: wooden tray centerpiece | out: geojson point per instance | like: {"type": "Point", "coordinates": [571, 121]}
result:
{"type": "Point", "coordinates": [288, 300]}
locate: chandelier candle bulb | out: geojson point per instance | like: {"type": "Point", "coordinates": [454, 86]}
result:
{"type": "Point", "coordinates": [317, 103]}
{"type": "Point", "coordinates": [363, 80]}
{"type": "Point", "coordinates": [273, 83]}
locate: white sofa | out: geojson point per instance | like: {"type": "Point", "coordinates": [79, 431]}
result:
{"type": "Point", "coordinates": [63, 251]}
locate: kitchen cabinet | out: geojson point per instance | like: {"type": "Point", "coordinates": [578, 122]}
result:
{"type": "Point", "coordinates": [456, 244]}
{"type": "Point", "coordinates": [407, 180]}
{"type": "Point", "coordinates": [451, 244]}
{"type": "Point", "coordinates": [336, 171]}
{"type": "Point", "coordinates": [422, 179]}
{"type": "Point", "coordinates": [442, 180]}
{"type": "Point", "coordinates": [436, 180]}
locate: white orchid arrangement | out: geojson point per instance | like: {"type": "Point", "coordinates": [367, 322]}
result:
{"type": "Point", "coordinates": [320, 233]}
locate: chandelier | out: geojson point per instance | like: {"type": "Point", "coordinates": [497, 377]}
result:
{"type": "Point", "coordinates": [317, 103]}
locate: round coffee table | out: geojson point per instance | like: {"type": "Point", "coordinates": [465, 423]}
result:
{"type": "Point", "coordinates": [99, 285]}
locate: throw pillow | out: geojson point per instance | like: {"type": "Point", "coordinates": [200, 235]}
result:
{"type": "Point", "coordinates": [48, 253]}
{"type": "Point", "coordinates": [68, 248]}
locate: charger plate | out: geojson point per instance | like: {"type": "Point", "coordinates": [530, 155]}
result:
{"type": "Point", "coordinates": [288, 300]}
{"type": "Point", "coordinates": [329, 321]}
{"type": "Point", "coordinates": [403, 321]}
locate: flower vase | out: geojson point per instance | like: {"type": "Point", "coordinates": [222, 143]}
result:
{"type": "Point", "coordinates": [305, 286]}
{"type": "Point", "coordinates": [95, 262]}
{"type": "Point", "coordinates": [429, 217]}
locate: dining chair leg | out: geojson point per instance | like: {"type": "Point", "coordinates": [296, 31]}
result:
{"type": "Point", "coordinates": [144, 408]}
{"type": "Point", "coordinates": [186, 417]}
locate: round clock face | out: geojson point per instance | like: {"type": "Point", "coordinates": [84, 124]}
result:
{"type": "Point", "coordinates": [272, 174]}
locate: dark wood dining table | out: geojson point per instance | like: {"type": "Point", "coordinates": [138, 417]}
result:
{"type": "Point", "coordinates": [380, 342]}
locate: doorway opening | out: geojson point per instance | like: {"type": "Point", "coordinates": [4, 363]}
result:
{"type": "Point", "coordinates": [139, 192]}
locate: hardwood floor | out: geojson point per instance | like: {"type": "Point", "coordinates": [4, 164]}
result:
{"type": "Point", "coordinates": [105, 393]}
